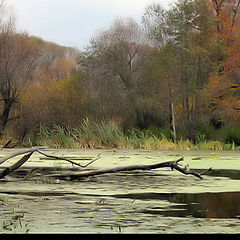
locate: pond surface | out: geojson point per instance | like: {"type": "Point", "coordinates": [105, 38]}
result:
{"type": "Point", "coordinates": [152, 201]}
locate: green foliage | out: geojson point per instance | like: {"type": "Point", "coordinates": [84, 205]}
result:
{"type": "Point", "coordinates": [200, 138]}
{"type": "Point", "coordinates": [230, 135]}
{"type": "Point", "coordinates": [205, 132]}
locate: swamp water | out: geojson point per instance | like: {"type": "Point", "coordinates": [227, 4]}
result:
{"type": "Point", "coordinates": [152, 201]}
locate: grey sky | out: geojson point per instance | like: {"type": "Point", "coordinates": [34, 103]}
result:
{"type": "Point", "coordinates": [74, 22]}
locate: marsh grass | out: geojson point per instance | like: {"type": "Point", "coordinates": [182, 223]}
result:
{"type": "Point", "coordinates": [210, 145]}
{"type": "Point", "coordinates": [162, 143]}
{"type": "Point", "coordinates": [108, 135]}
{"type": "Point", "coordinates": [225, 138]}
{"type": "Point", "coordinates": [57, 137]}
{"type": "Point", "coordinates": [185, 145]}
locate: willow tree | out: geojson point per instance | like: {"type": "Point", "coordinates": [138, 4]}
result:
{"type": "Point", "coordinates": [118, 55]}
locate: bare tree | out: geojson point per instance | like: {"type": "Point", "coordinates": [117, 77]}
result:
{"type": "Point", "coordinates": [17, 60]}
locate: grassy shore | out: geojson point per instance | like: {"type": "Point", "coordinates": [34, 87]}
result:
{"type": "Point", "coordinates": [102, 135]}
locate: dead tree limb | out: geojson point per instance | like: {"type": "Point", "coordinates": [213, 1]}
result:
{"type": "Point", "coordinates": [16, 165]}
{"type": "Point", "coordinates": [7, 144]}
{"type": "Point", "coordinates": [20, 162]}
{"type": "Point", "coordinates": [78, 174]}
{"type": "Point", "coordinates": [2, 160]}
{"type": "Point", "coordinates": [171, 164]}
{"type": "Point", "coordinates": [68, 160]}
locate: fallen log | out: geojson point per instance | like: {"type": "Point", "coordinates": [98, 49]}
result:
{"type": "Point", "coordinates": [79, 174]}
{"type": "Point", "coordinates": [171, 164]}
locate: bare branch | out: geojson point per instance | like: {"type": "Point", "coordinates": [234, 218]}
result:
{"type": "Point", "coordinates": [68, 160]}
{"type": "Point", "coordinates": [172, 164]}
{"type": "Point", "coordinates": [2, 160]}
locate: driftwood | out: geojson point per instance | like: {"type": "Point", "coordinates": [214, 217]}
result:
{"type": "Point", "coordinates": [87, 173]}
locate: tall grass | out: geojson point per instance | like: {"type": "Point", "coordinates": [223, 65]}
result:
{"type": "Point", "coordinates": [108, 135]}
{"type": "Point", "coordinates": [225, 138]}
{"type": "Point", "coordinates": [57, 137]}
{"type": "Point", "coordinates": [93, 135]}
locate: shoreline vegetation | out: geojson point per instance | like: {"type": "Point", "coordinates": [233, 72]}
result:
{"type": "Point", "coordinates": [91, 135]}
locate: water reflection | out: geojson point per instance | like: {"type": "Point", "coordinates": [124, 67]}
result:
{"type": "Point", "coordinates": [199, 205]}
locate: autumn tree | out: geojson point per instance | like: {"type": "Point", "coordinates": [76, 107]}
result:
{"type": "Point", "coordinates": [57, 98]}
{"type": "Point", "coordinates": [17, 61]}
{"type": "Point", "coordinates": [183, 35]}
{"type": "Point", "coordinates": [223, 87]}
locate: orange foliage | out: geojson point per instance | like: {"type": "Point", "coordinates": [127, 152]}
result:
{"type": "Point", "coordinates": [222, 87]}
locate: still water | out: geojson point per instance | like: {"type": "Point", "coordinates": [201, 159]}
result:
{"type": "Point", "coordinates": [152, 201]}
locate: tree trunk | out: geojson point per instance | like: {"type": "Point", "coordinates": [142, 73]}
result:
{"type": "Point", "coordinates": [172, 116]}
{"type": "Point", "coordinates": [171, 164]}
{"type": "Point", "coordinates": [5, 114]}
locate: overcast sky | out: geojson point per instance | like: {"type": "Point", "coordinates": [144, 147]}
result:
{"type": "Point", "coordinates": [74, 22]}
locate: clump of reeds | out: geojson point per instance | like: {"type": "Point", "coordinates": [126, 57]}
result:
{"type": "Point", "coordinates": [108, 135]}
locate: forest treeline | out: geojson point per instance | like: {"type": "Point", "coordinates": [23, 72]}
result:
{"type": "Point", "coordinates": [174, 74]}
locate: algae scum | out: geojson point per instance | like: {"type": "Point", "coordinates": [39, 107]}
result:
{"type": "Point", "coordinates": [153, 201]}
